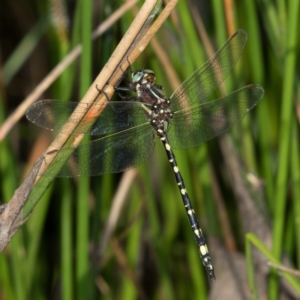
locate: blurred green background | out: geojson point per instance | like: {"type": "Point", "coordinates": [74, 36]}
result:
{"type": "Point", "coordinates": [251, 187]}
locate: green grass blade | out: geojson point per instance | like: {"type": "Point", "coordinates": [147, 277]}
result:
{"type": "Point", "coordinates": [252, 239]}
{"type": "Point", "coordinates": [284, 137]}
{"type": "Point", "coordinates": [83, 280]}
{"type": "Point", "coordinates": [24, 49]}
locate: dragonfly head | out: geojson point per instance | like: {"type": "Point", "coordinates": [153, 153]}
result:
{"type": "Point", "coordinates": [143, 77]}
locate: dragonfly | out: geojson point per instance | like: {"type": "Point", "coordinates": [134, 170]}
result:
{"type": "Point", "coordinates": [127, 129]}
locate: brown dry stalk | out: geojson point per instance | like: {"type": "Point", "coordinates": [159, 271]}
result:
{"type": "Point", "coordinates": [56, 72]}
{"type": "Point", "coordinates": [97, 105]}
{"type": "Point", "coordinates": [92, 97]}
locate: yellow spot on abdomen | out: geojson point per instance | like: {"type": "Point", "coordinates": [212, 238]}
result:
{"type": "Point", "coordinates": [203, 250]}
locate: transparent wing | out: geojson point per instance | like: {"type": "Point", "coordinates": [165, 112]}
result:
{"type": "Point", "coordinates": [112, 154]}
{"type": "Point", "coordinates": [193, 126]}
{"type": "Point", "coordinates": [116, 116]}
{"type": "Point", "coordinates": [196, 88]}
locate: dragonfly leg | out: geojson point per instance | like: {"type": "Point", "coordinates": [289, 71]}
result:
{"type": "Point", "coordinates": [158, 86]}
{"type": "Point", "coordinates": [120, 89]}
{"type": "Point", "coordinates": [129, 66]}
{"type": "Point", "coordinates": [101, 91]}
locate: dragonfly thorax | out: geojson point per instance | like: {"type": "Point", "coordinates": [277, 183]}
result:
{"type": "Point", "coordinates": [160, 115]}
{"type": "Point", "coordinates": [157, 106]}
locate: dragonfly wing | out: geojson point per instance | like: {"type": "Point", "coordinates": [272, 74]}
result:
{"type": "Point", "coordinates": [115, 116]}
{"type": "Point", "coordinates": [195, 125]}
{"type": "Point", "coordinates": [112, 154]}
{"type": "Point", "coordinates": [196, 88]}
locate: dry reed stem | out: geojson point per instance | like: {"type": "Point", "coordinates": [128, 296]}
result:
{"type": "Point", "coordinates": [92, 96]}
{"type": "Point", "coordinates": [56, 72]}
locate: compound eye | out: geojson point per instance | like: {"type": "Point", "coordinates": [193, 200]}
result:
{"type": "Point", "coordinates": [137, 76]}
{"type": "Point", "coordinates": [149, 76]}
